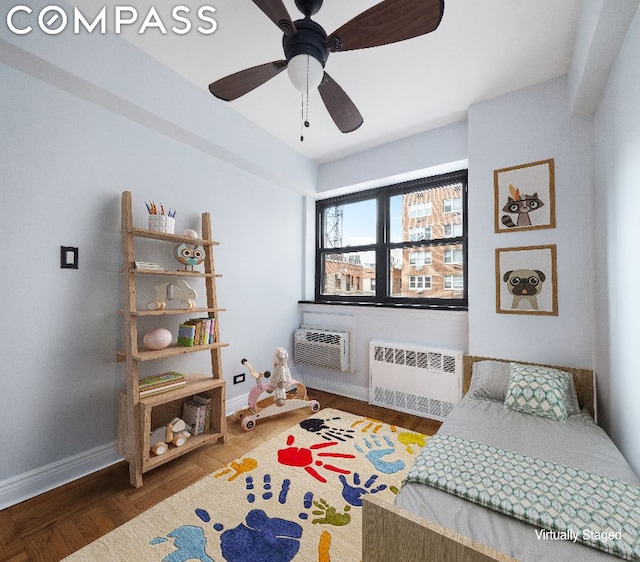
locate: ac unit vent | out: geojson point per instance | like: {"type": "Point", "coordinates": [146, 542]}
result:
{"type": "Point", "coordinates": [415, 379]}
{"type": "Point", "coordinates": [322, 348]}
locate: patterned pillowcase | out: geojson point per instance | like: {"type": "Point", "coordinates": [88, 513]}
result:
{"type": "Point", "coordinates": [537, 390]}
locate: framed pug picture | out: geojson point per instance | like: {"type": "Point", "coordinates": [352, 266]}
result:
{"type": "Point", "coordinates": [525, 197]}
{"type": "Point", "coordinates": [526, 280]}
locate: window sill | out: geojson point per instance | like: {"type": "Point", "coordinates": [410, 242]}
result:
{"type": "Point", "coordinates": [403, 306]}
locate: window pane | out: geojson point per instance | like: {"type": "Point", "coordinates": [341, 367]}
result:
{"type": "Point", "coordinates": [352, 224]}
{"type": "Point", "coordinates": [436, 272]}
{"type": "Point", "coordinates": [352, 273]}
{"type": "Point", "coordinates": [427, 214]}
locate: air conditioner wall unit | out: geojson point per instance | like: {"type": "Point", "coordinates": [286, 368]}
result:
{"type": "Point", "coordinates": [330, 349]}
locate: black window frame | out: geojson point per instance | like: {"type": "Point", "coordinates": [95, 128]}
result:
{"type": "Point", "coordinates": [382, 247]}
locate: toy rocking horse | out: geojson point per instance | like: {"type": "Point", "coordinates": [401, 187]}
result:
{"type": "Point", "coordinates": [280, 382]}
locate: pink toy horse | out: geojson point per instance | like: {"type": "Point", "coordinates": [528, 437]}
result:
{"type": "Point", "coordinates": [279, 403]}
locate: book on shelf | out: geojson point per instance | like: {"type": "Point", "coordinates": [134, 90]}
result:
{"type": "Point", "coordinates": [163, 382]}
{"type": "Point", "coordinates": [194, 415]}
{"type": "Point", "coordinates": [147, 265]}
{"type": "Point", "coordinates": [186, 335]}
{"type": "Point", "coordinates": [206, 401]}
{"type": "Point", "coordinates": [196, 331]}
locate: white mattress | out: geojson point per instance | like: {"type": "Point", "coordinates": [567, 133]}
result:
{"type": "Point", "coordinates": [575, 443]}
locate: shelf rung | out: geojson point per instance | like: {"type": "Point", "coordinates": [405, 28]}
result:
{"type": "Point", "coordinates": [195, 385]}
{"type": "Point", "coordinates": [173, 273]}
{"type": "Point", "coordinates": [174, 350]}
{"type": "Point", "coordinates": [145, 312]}
{"type": "Point", "coordinates": [192, 443]}
{"type": "Point", "coordinates": [154, 235]}
{"type": "Point", "coordinates": [171, 351]}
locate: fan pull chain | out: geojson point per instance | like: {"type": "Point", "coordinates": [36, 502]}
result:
{"type": "Point", "coordinates": [305, 115]}
{"type": "Point", "coordinates": [305, 108]}
{"type": "Point", "coordinates": [301, 116]}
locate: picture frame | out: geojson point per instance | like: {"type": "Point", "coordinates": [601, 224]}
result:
{"type": "Point", "coordinates": [526, 280]}
{"type": "Point", "coordinates": [525, 196]}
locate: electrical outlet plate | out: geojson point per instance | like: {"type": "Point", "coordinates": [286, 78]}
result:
{"type": "Point", "coordinates": [237, 379]}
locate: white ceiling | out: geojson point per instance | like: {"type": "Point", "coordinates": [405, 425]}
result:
{"type": "Point", "coordinates": [482, 49]}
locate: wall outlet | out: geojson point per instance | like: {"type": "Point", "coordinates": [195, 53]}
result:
{"type": "Point", "coordinates": [237, 379]}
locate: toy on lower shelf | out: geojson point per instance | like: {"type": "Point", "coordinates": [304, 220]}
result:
{"type": "Point", "coordinates": [175, 432]}
{"type": "Point", "coordinates": [280, 402]}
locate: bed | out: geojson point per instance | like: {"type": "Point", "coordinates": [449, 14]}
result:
{"type": "Point", "coordinates": [427, 522]}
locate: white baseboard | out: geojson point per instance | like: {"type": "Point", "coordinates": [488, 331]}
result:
{"type": "Point", "coordinates": [236, 403]}
{"type": "Point", "coordinates": [20, 488]}
{"type": "Point", "coordinates": [30, 484]}
{"type": "Point", "coordinates": [342, 389]}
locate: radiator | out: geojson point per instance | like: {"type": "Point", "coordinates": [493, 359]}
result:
{"type": "Point", "coordinates": [414, 379]}
{"type": "Point", "coordinates": [323, 348]}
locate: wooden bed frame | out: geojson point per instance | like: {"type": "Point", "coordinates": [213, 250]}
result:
{"type": "Point", "coordinates": [393, 533]}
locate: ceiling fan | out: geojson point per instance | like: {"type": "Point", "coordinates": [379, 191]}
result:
{"type": "Point", "coordinates": [307, 47]}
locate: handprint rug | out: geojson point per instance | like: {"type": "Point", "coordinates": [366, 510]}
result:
{"type": "Point", "coordinates": [296, 497]}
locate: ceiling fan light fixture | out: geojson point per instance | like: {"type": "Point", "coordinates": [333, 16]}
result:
{"type": "Point", "coordinates": [307, 47]}
{"type": "Point", "coordinates": [305, 72]}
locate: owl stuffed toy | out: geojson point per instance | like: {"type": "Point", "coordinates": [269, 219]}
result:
{"type": "Point", "coordinates": [190, 255]}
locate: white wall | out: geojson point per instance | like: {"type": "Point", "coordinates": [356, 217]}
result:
{"type": "Point", "coordinates": [433, 152]}
{"type": "Point", "coordinates": [110, 72]}
{"type": "Point", "coordinates": [65, 158]}
{"type": "Point", "coordinates": [529, 125]}
{"type": "Point", "coordinates": [617, 133]}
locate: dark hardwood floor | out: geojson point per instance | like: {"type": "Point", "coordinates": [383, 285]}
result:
{"type": "Point", "coordinates": [54, 524]}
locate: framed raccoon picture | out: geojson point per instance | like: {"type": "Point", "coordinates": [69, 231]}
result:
{"type": "Point", "coordinates": [525, 197]}
{"type": "Point", "coordinates": [526, 280]}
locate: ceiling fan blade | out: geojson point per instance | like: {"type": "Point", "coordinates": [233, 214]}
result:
{"type": "Point", "coordinates": [238, 84]}
{"type": "Point", "coordinates": [339, 105]}
{"type": "Point", "coordinates": [387, 22]}
{"type": "Point", "coordinates": [278, 14]}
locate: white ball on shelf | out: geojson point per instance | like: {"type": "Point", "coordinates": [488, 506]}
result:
{"type": "Point", "coordinates": [190, 233]}
{"type": "Point", "coordinates": [157, 339]}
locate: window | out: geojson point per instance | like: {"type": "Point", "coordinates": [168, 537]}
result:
{"type": "Point", "coordinates": [452, 230]}
{"type": "Point", "coordinates": [452, 255]}
{"type": "Point", "coordinates": [419, 282]}
{"type": "Point", "coordinates": [399, 245]}
{"type": "Point", "coordinates": [453, 282]}
{"type": "Point", "coordinates": [420, 233]}
{"type": "Point", "coordinates": [453, 205]}
{"type": "Point", "coordinates": [419, 259]}
{"type": "Point", "coordinates": [420, 210]}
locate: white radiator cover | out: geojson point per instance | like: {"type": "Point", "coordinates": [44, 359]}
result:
{"type": "Point", "coordinates": [414, 379]}
{"type": "Point", "coordinates": [322, 348]}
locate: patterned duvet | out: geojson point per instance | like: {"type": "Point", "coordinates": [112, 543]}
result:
{"type": "Point", "coordinates": [564, 502]}
{"type": "Point", "coordinates": [478, 428]}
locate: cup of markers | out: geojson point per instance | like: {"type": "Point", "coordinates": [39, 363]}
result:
{"type": "Point", "coordinates": [158, 220]}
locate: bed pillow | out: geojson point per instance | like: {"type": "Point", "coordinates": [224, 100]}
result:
{"type": "Point", "coordinates": [540, 391]}
{"type": "Point", "coordinates": [489, 380]}
{"type": "Point", "coordinates": [573, 406]}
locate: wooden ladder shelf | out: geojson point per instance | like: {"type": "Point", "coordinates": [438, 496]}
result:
{"type": "Point", "coordinates": [137, 415]}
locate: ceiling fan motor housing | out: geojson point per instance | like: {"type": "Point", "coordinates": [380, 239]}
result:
{"type": "Point", "coordinates": [310, 40]}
